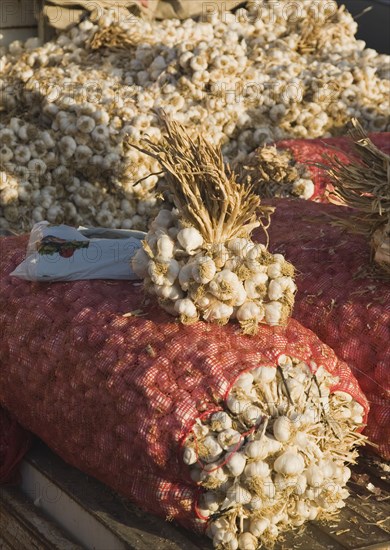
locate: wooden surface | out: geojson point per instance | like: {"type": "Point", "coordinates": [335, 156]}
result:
{"type": "Point", "coordinates": [364, 523]}
{"type": "Point", "coordinates": [23, 527]}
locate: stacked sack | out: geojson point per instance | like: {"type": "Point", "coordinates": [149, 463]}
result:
{"type": "Point", "coordinates": [341, 297]}
{"type": "Point", "coordinates": [189, 431]}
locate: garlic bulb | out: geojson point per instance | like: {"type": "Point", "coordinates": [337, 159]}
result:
{"type": "Point", "coordinates": [189, 456]}
{"type": "Point", "coordinates": [247, 541]}
{"type": "Point", "coordinates": [289, 463]}
{"type": "Point", "coordinates": [190, 239]}
{"type": "Point", "coordinates": [221, 421]}
{"type": "Point", "coordinates": [236, 464]}
{"type": "Point", "coordinates": [264, 480]}
{"type": "Point", "coordinates": [181, 259]}
{"type": "Point", "coordinates": [282, 429]}
{"type": "Point", "coordinates": [187, 310]}
{"type": "Point", "coordinates": [203, 270]}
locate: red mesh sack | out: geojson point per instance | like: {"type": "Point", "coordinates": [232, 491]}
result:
{"type": "Point", "coordinates": [340, 298]}
{"type": "Point", "coordinates": [115, 394]}
{"type": "Point", "coordinates": [311, 151]}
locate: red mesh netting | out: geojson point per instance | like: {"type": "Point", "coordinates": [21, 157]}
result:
{"type": "Point", "coordinates": [309, 151]}
{"type": "Point", "coordinates": [115, 395]}
{"type": "Point", "coordinates": [340, 299]}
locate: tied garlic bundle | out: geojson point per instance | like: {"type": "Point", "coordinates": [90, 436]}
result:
{"type": "Point", "coordinates": [198, 258]}
{"type": "Point", "coordinates": [275, 456]}
{"type": "Point", "coordinates": [364, 184]}
{"type": "Point", "coordinates": [275, 173]}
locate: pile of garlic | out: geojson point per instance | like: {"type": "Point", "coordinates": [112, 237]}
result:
{"type": "Point", "coordinates": [244, 79]}
{"type": "Point", "coordinates": [275, 456]}
{"type": "Point", "coordinates": [234, 280]}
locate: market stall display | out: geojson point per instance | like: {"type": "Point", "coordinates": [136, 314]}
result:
{"type": "Point", "coordinates": [197, 391]}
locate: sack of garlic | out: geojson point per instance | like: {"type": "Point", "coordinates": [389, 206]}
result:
{"type": "Point", "coordinates": [341, 298]}
{"type": "Point", "coordinates": [344, 294]}
{"type": "Point", "coordinates": [238, 437]}
{"type": "Point", "coordinates": [198, 258]}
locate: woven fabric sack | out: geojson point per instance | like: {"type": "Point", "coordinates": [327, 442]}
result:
{"type": "Point", "coordinates": [114, 385]}
{"type": "Point", "coordinates": [341, 297]}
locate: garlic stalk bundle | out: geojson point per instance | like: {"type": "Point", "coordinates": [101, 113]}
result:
{"type": "Point", "coordinates": [271, 472]}
{"type": "Point", "coordinates": [210, 255]}
{"type": "Point", "coordinates": [275, 173]}
{"type": "Point", "coordinates": [364, 184]}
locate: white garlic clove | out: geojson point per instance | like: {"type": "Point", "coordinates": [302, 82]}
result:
{"type": "Point", "coordinates": [314, 476]}
{"type": "Point", "coordinates": [257, 469]}
{"type": "Point", "coordinates": [203, 269]}
{"type": "Point", "coordinates": [264, 374]}
{"type": "Point", "coordinates": [225, 285]}
{"type": "Point", "coordinates": [251, 415]}
{"type": "Point", "coordinates": [237, 494]}
{"type": "Point", "coordinates": [237, 406]}
{"type": "Point", "coordinates": [256, 503]}
{"type": "Point", "coordinates": [210, 501]}
{"type": "Point", "coordinates": [273, 313]}
{"type": "Point", "coordinates": [256, 286]}
{"type": "Point", "coordinates": [258, 526]}
{"type": "Point", "coordinates": [214, 450]}
{"type": "Point", "coordinates": [244, 381]}
{"type": "Point", "coordinates": [190, 239]}
{"type": "Point", "coordinates": [229, 439]}
{"type": "Point", "coordinates": [186, 308]}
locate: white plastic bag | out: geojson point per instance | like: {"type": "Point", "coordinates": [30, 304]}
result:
{"type": "Point", "coordinates": [63, 253]}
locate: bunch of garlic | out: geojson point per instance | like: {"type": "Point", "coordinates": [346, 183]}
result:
{"type": "Point", "coordinates": [244, 79]}
{"type": "Point", "coordinates": [193, 280]}
{"type": "Point", "coordinates": [275, 173]}
{"type": "Point", "coordinates": [274, 456]}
